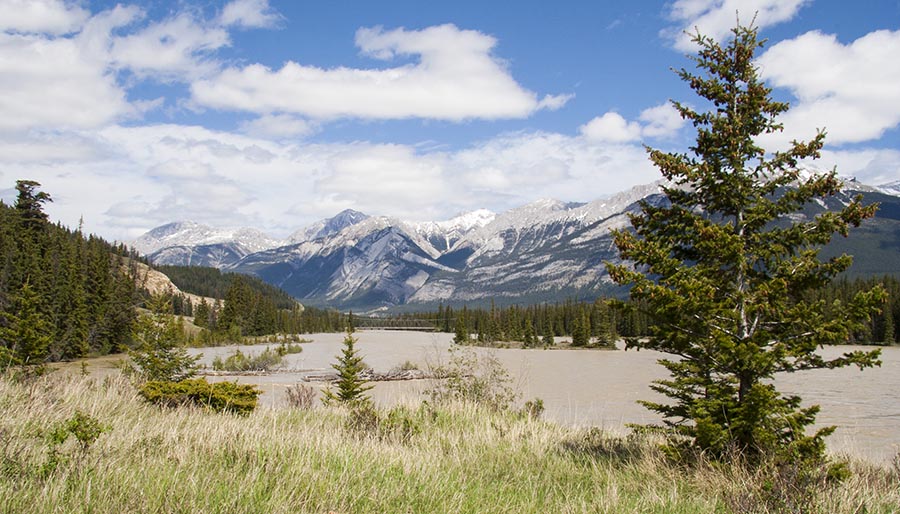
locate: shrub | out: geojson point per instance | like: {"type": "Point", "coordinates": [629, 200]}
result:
{"type": "Point", "coordinates": [218, 397]}
{"type": "Point", "coordinates": [288, 348]}
{"type": "Point", "coordinates": [301, 396]}
{"type": "Point", "coordinates": [238, 361]}
{"type": "Point", "coordinates": [470, 378]}
{"type": "Point", "coordinates": [399, 425]}
{"type": "Point", "coordinates": [534, 408]}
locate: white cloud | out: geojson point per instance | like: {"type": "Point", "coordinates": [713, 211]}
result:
{"type": "Point", "coordinates": [662, 121]}
{"type": "Point", "coordinates": [456, 78]}
{"type": "Point", "coordinates": [716, 18]}
{"type": "Point", "coordinates": [554, 102]}
{"type": "Point", "coordinates": [611, 127]}
{"type": "Point", "coordinates": [850, 90]}
{"type": "Point", "coordinates": [278, 126]}
{"type": "Point", "coordinates": [70, 82]}
{"type": "Point", "coordinates": [870, 166]}
{"type": "Point", "coordinates": [41, 16]}
{"type": "Point", "coordinates": [249, 14]}
{"type": "Point", "coordinates": [53, 83]}
{"type": "Point", "coordinates": [175, 48]}
{"type": "Point", "coordinates": [155, 174]}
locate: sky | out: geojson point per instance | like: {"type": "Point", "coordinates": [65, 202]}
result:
{"type": "Point", "coordinates": [274, 114]}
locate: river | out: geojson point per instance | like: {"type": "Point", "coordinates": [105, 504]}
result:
{"type": "Point", "coordinates": [600, 388]}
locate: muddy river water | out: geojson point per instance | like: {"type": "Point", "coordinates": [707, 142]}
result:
{"type": "Point", "coordinates": [600, 388]}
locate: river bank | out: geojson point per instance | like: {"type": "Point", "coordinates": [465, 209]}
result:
{"type": "Point", "coordinates": [440, 459]}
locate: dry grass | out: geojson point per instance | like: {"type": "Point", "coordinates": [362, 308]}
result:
{"type": "Point", "coordinates": [457, 458]}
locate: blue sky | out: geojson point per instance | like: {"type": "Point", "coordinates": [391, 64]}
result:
{"type": "Point", "coordinates": [274, 114]}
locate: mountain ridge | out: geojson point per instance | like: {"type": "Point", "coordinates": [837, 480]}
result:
{"type": "Point", "coordinates": [542, 250]}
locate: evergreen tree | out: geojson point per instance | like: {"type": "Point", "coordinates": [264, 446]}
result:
{"type": "Point", "coordinates": [201, 313]}
{"type": "Point", "coordinates": [581, 334]}
{"type": "Point", "coordinates": [30, 205]}
{"type": "Point", "coordinates": [888, 323]}
{"type": "Point", "coordinates": [351, 388]}
{"type": "Point", "coordinates": [461, 333]}
{"type": "Point", "coordinates": [28, 337]}
{"type": "Point", "coordinates": [548, 335]}
{"type": "Point", "coordinates": [528, 339]}
{"type": "Point", "coordinates": [722, 269]}
{"type": "Point", "coordinates": [160, 354]}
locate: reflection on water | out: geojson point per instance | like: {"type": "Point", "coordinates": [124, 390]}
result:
{"type": "Point", "coordinates": [600, 388]}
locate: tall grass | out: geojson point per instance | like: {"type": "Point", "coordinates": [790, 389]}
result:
{"type": "Point", "coordinates": [458, 458]}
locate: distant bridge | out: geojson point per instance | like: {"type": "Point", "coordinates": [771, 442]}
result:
{"type": "Point", "coordinates": [366, 323]}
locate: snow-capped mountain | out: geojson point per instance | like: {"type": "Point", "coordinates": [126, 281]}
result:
{"type": "Point", "coordinates": [327, 227]}
{"type": "Point", "coordinates": [189, 243]}
{"type": "Point", "coordinates": [545, 250]}
{"type": "Point", "coordinates": [443, 235]}
{"type": "Point", "coordinates": [891, 188]}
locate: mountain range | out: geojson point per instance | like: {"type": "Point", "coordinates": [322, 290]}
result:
{"type": "Point", "coordinates": [545, 250]}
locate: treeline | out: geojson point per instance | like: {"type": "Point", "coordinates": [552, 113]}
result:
{"type": "Point", "coordinates": [604, 320]}
{"type": "Point", "coordinates": [587, 323]}
{"type": "Point", "coordinates": [247, 310]}
{"type": "Point", "coordinates": [243, 306]}
{"type": "Point", "coordinates": [63, 295]}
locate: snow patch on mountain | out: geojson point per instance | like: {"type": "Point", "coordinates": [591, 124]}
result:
{"type": "Point", "coordinates": [189, 233]}
{"type": "Point", "coordinates": [327, 227]}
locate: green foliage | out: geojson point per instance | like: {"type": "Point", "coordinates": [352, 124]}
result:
{"type": "Point", "coordinates": [238, 361]}
{"type": "Point", "coordinates": [160, 354]}
{"type": "Point", "coordinates": [723, 274]}
{"type": "Point", "coordinates": [469, 377]}
{"type": "Point", "coordinates": [85, 428]}
{"type": "Point", "coordinates": [581, 334]}
{"type": "Point", "coordinates": [62, 295]}
{"type": "Point", "coordinates": [351, 388]}
{"type": "Point", "coordinates": [462, 335]}
{"type": "Point", "coordinates": [218, 396]}
{"type": "Point", "coordinates": [211, 282]}
{"type": "Point", "coordinates": [30, 333]}
{"type": "Point", "coordinates": [534, 408]}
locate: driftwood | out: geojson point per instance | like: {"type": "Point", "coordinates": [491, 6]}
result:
{"type": "Point", "coordinates": [371, 376]}
{"type": "Point", "coordinates": [327, 376]}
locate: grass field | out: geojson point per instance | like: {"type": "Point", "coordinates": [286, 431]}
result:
{"type": "Point", "coordinates": [451, 458]}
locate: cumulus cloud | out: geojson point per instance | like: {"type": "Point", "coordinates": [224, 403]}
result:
{"type": "Point", "coordinates": [850, 90]}
{"type": "Point", "coordinates": [455, 78]}
{"type": "Point", "coordinates": [716, 18]}
{"type": "Point", "coordinates": [66, 69]}
{"type": "Point", "coordinates": [175, 48]}
{"type": "Point", "coordinates": [611, 127]}
{"type": "Point", "coordinates": [56, 85]}
{"type": "Point", "coordinates": [41, 16]}
{"type": "Point", "coordinates": [249, 14]}
{"type": "Point", "coordinates": [661, 121]}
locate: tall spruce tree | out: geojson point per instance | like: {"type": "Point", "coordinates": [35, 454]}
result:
{"type": "Point", "coordinates": [351, 388]}
{"type": "Point", "coordinates": [722, 269]}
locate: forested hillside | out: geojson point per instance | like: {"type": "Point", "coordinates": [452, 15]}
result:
{"type": "Point", "coordinates": [62, 294]}
{"type": "Point", "coordinates": [211, 282]}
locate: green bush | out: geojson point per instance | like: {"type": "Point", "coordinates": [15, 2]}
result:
{"type": "Point", "coordinates": [218, 396]}
{"type": "Point", "coordinates": [239, 361]}
{"type": "Point", "coordinates": [472, 378]}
